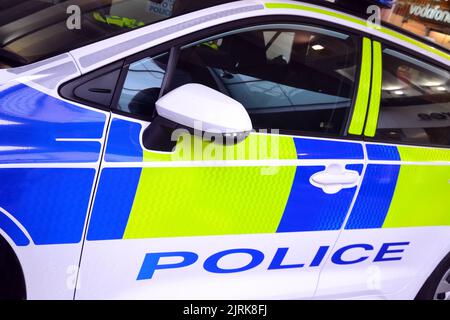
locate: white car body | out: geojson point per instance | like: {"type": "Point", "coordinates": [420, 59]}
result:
{"type": "Point", "coordinates": [109, 268]}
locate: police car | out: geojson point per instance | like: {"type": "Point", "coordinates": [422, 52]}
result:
{"type": "Point", "coordinates": [220, 150]}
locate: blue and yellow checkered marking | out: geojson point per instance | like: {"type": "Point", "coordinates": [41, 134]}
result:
{"type": "Point", "coordinates": [302, 206]}
{"type": "Point", "coordinates": [285, 202]}
{"type": "Point", "coordinates": [193, 201]}
{"type": "Point", "coordinates": [405, 191]}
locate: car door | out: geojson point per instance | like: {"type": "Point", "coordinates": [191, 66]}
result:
{"type": "Point", "coordinates": [400, 209]}
{"type": "Point", "coordinates": [254, 219]}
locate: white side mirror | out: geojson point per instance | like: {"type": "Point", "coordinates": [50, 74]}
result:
{"type": "Point", "coordinates": [194, 103]}
{"type": "Point", "coordinates": [195, 106]}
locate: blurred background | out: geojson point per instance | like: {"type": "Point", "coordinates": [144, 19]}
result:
{"type": "Point", "coordinates": [426, 18]}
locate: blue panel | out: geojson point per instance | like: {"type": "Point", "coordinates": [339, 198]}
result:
{"type": "Point", "coordinates": [310, 209]}
{"type": "Point", "coordinates": [123, 142]}
{"type": "Point", "coordinates": [31, 122]}
{"type": "Point", "coordinates": [113, 203]}
{"type": "Point", "coordinates": [382, 152]}
{"type": "Point", "coordinates": [374, 197]}
{"type": "Point", "coordinates": [50, 203]}
{"type": "Point", "coordinates": [13, 231]}
{"type": "Point", "coordinates": [327, 149]}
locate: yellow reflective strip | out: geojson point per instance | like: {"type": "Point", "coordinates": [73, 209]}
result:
{"type": "Point", "coordinates": [418, 154]}
{"type": "Point", "coordinates": [114, 20]}
{"type": "Point", "coordinates": [202, 201]}
{"type": "Point", "coordinates": [418, 200]}
{"type": "Point", "coordinates": [211, 45]}
{"type": "Point", "coordinates": [362, 99]}
{"type": "Point", "coordinates": [414, 42]}
{"type": "Point", "coordinates": [97, 16]}
{"type": "Point", "coordinates": [315, 10]}
{"type": "Point", "coordinates": [420, 197]}
{"type": "Point", "coordinates": [375, 96]}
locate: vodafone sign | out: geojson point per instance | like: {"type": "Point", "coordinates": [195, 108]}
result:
{"type": "Point", "coordinates": [429, 12]}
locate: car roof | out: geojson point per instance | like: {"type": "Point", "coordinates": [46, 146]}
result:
{"type": "Point", "coordinates": [118, 43]}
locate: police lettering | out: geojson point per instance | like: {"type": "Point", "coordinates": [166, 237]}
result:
{"type": "Point", "coordinates": [347, 255]}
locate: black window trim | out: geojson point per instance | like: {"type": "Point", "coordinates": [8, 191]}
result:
{"type": "Point", "coordinates": [67, 89]}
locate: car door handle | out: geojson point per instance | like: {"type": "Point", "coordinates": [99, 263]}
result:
{"type": "Point", "coordinates": [335, 178]}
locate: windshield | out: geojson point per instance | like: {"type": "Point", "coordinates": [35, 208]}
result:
{"type": "Point", "coordinates": [32, 30]}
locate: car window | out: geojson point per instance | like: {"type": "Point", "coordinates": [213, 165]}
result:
{"type": "Point", "coordinates": [142, 86]}
{"type": "Point", "coordinates": [292, 78]}
{"type": "Point", "coordinates": [415, 101]}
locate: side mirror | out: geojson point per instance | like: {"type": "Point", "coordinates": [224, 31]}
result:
{"type": "Point", "coordinates": [199, 109]}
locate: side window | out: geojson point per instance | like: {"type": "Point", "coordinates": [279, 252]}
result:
{"type": "Point", "coordinates": [292, 78]}
{"type": "Point", "coordinates": [415, 101]}
{"type": "Point", "coordinates": [142, 86]}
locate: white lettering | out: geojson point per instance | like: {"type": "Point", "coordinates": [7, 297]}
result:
{"type": "Point", "coordinates": [430, 13]}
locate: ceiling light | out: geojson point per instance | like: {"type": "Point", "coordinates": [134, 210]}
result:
{"type": "Point", "coordinates": [392, 88]}
{"type": "Point", "coordinates": [441, 89]}
{"type": "Point", "coordinates": [432, 83]}
{"type": "Point", "coordinates": [399, 92]}
{"type": "Point", "coordinates": [317, 47]}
